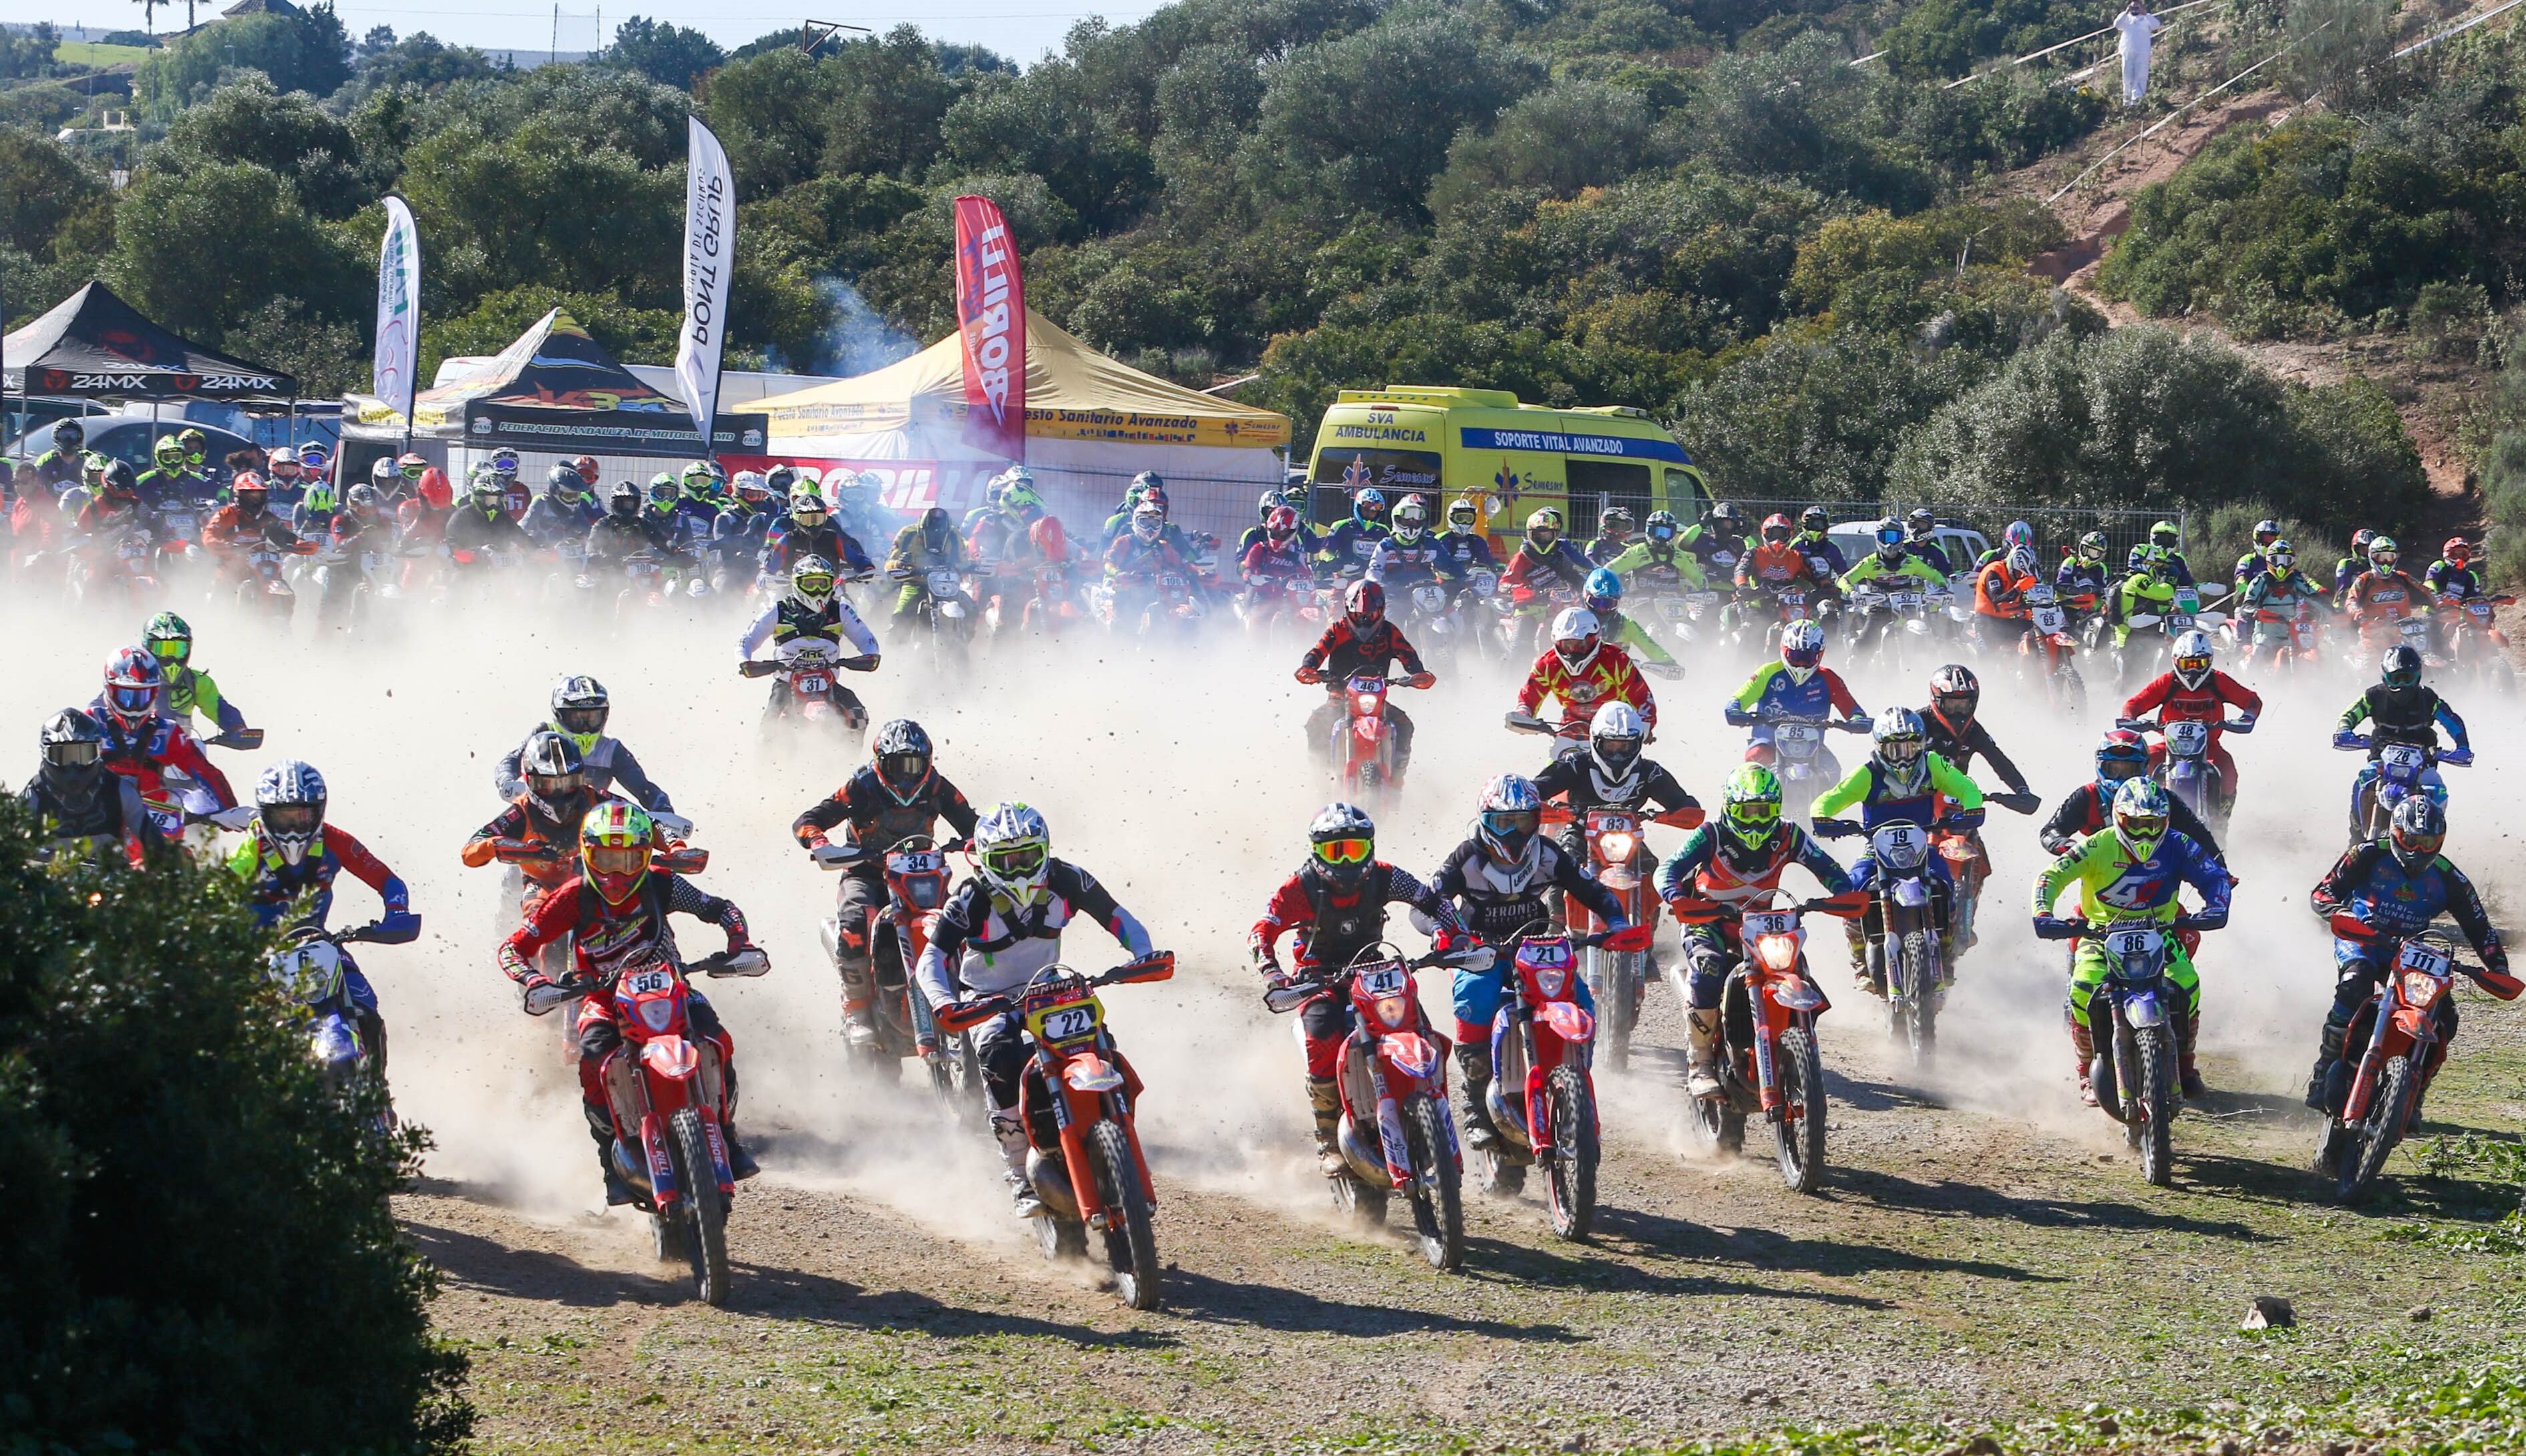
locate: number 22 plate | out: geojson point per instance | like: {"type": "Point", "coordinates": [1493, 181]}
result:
{"type": "Point", "coordinates": [1057, 1025]}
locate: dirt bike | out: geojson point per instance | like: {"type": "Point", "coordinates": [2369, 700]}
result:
{"type": "Point", "coordinates": [1615, 849]}
{"type": "Point", "coordinates": [544, 868]}
{"type": "Point", "coordinates": [1542, 1095]}
{"type": "Point", "coordinates": [1271, 604]}
{"type": "Point", "coordinates": [1049, 605]}
{"type": "Point", "coordinates": [121, 565]}
{"type": "Point", "coordinates": [1692, 614]}
{"type": "Point", "coordinates": [1887, 613]}
{"type": "Point", "coordinates": [1430, 621]}
{"type": "Point", "coordinates": [2140, 1041]}
{"type": "Point", "coordinates": [1908, 952]}
{"type": "Point", "coordinates": [1077, 1101]}
{"type": "Point", "coordinates": [1800, 759]}
{"type": "Point", "coordinates": [1527, 615]}
{"type": "Point", "coordinates": [263, 583]}
{"type": "Point", "coordinates": [2291, 638]}
{"type": "Point", "coordinates": [1363, 746]}
{"type": "Point", "coordinates": [2184, 767]}
{"type": "Point", "coordinates": [916, 884]}
{"type": "Point", "coordinates": [2051, 650]}
{"type": "Point", "coordinates": [1394, 1078]}
{"type": "Point", "coordinates": [2477, 647]}
{"type": "Point", "coordinates": [2150, 635]}
{"type": "Point", "coordinates": [2372, 1096]}
{"type": "Point", "coordinates": [2395, 774]}
{"type": "Point", "coordinates": [669, 1096]}
{"type": "Point", "coordinates": [810, 691]}
{"type": "Point", "coordinates": [310, 970]}
{"type": "Point", "coordinates": [1768, 1063]}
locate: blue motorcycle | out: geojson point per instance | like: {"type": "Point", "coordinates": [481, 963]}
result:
{"type": "Point", "coordinates": [2396, 771]}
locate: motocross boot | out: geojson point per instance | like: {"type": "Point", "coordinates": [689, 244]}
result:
{"type": "Point", "coordinates": [1013, 1149]}
{"type": "Point", "coordinates": [859, 1006]}
{"type": "Point", "coordinates": [1701, 1075]}
{"type": "Point", "coordinates": [2328, 1051]}
{"type": "Point", "coordinates": [2191, 1076]}
{"type": "Point", "coordinates": [1868, 985]}
{"type": "Point", "coordinates": [1475, 1063]}
{"type": "Point", "coordinates": [2084, 1044]}
{"type": "Point", "coordinates": [1324, 1100]}
{"type": "Point", "coordinates": [600, 1128]}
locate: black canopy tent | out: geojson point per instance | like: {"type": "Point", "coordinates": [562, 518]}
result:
{"type": "Point", "coordinates": [93, 345]}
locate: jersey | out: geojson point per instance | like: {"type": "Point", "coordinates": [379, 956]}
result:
{"type": "Point", "coordinates": [2399, 900]}
{"type": "Point", "coordinates": [982, 945]}
{"type": "Point", "coordinates": [1464, 552]}
{"type": "Point", "coordinates": [1608, 677]}
{"type": "Point", "coordinates": [785, 543]}
{"type": "Point", "coordinates": [2112, 885]}
{"type": "Point", "coordinates": [1396, 565]}
{"type": "Point", "coordinates": [1773, 692]}
{"type": "Point", "coordinates": [785, 619]}
{"type": "Point", "coordinates": [2402, 715]}
{"type": "Point", "coordinates": [1655, 570]}
{"type": "Point", "coordinates": [1561, 568]}
{"type": "Point", "coordinates": [1706, 869]}
{"type": "Point", "coordinates": [2209, 703]}
{"type": "Point", "coordinates": [874, 816]}
{"type": "Point", "coordinates": [1575, 778]}
{"type": "Point", "coordinates": [609, 768]}
{"type": "Point", "coordinates": [1774, 566]}
{"type": "Point", "coordinates": [1498, 902]}
{"type": "Point", "coordinates": [2086, 809]}
{"type": "Point", "coordinates": [1874, 568]}
{"type": "Point", "coordinates": [273, 885]}
{"type": "Point", "coordinates": [2386, 594]}
{"type": "Point", "coordinates": [1879, 801]}
{"type": "Point", "coordinates": [1825, 561]}
{"type": "Point", "coordinates": [607, 939]}
{"type": "Point", "coordinates": [1352, 545]}
{"type": "Point", "coordinates": [1960, 746]}
{"type": "Point", "coordinates": [1331, 927]}
{"type": "Point", "coordinates": [190, 692]}
{"type": "Point", "coordinates": [1343, 653]}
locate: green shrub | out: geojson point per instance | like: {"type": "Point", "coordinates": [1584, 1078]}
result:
{"type": "Point", "coordinates": [201, 1254]}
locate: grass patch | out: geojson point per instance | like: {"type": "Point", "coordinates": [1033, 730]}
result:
{"type": "Point", "coordinates": [97, 53]}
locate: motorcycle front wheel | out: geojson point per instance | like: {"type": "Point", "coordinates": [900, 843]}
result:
{"type": "Point", "coordinates": [1131, 1243]}
{"type": "Point", "coordinates": [1438, 1192]}
{"type": "Point", "coordinates": [1571, 1178]}
{"type": "Point", "coordinates": [1799, 1126]}
{"type": "Point", "coordinates": [2390, 1111]}
{"type": "Point", "coordinates": [704, 1208]}
{"type": "Point", "coordinates": [2148, 1107]}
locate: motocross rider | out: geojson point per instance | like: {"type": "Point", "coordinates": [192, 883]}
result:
{"type": "Point", "coordinates": [1584, 672]}
{"type": "Point", "coordinates": [1278, 561]}
{"type": "Point", "coordinates": [1294, 498]}
{"type": "Point", "coordinates": [59, 467]}
{"type": "Point", "coordinates": [2000, 615]}
{"type": "Point", "coordinates": [174, 480]}
{"type": "Point", "coordinates": [929, 544]}
{"type": "Point", "coordinates": [1720, 869]}
{"type": "Point", "coordinates": [545, 812]}
{"type": "Point", "coordinates": [2399, 885]}
{"type": "Point", "coordinates": [2384, 592]}
{"type": "Point", "coordinates": [809, 610]}
{"type": "Point", "coordinates": [627, 530]}
{"type": "Point", "coordinates": [2279, 588]}
{"type": "Point", "coordinates": [1921, 537]}
{"type": "Point", "coordinates": [482, 525]}
{"type": "Point", "coordinates": [1902, 782]}
{"type": "Point", "coordinates": [2133, 873]}
{"type": "Point", "coordinates": [1613, 536]}
{"type": "Point", "coordinates": [1465, 550]}
{"type": "Point", "coordinates": [2121, 757]}
{"type": "Point", "coordinates": [1717, 542]}
{"type": "Point", "coordinates": [1825, 561]}
{"type": "Point", "coordinates": [1001, 926]}
{"type": "Point", "coordinates": [2018, 534]}
{"type": "Point", "coordinates": [1893, 558]}
{"type": "Point", "coordinates": [1352, 542]}
{"type": "Point", "coordinates": [2347, 569]}
{"type": "Point", "coordinates": [144, 744]}
{"type": "Point", "coordinates": [1361, 643]}
{"type": "Point", "coordinates": [1800, 685]}
{"type": "Point", "coordinates": [580, 709]}
{"type": "Point", "coordinates": [1775, 565]}
{"type": "Point", "coordinates": [2250, 565]}
{"type": "Point", "coordinates": [1602, 596]}
{"type": "Point", "coordinates": [614, 911]}
{"type": "Point", "coordinates": [73, 796]}
{"type": "Point", "coordinates": [1660, 561]}
{"type": "Point", "coordinates": [189, 689]}
{"type": "Point", "coordinates": [2401, 709]}
{"type": "Point", "coordinates": [564, 511]}
{"type": "Point", "coordinates": [1608, 772]}
{"type": "Point", "coordinates": [810, 529]}
{"type": "Point", "coordinates": [1409, 555]}
{"type": "Point", "coordinates": [1335, 904]}
{"type": "Point", "coordinates": [1134, 563]}
{"type": "Point", "coordinates": [1498, 879]}
{"type": "Point", "coordinates": [2164, 542]}
{"type": "Point", "coordinates": [2149, 589]}
{"type": "Point", "coordinates": [2195, 691]}
{"type": "Point", "coordinates": [1544, 562]}
{"type": "Point", "coordinates": [2080, 580]}
{"type": "Point", "coordinates": [739, 530]}
{"type": "Point", "coordinates": [244, 523]}
{"type": "Point", "coordinates": [896, 794]}
{"type": "Point", "coordinates": [2453, 580]}
{"type": "Point", "coordinates": [288, 862]}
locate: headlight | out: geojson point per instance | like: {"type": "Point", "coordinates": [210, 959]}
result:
{"type": "Point", "coordinates": [1393, 1011]}
{"type": "Point", "coordinates": [2420, 988]}
{"type": "Point", "coordinates": [1779, 952]}
{"type": "Point", "coordinates": [658, 1014]}
{"type": "Point", "coordinates": [1365, 705]}
{"type": "Point", "coordinates": [1617, 846]}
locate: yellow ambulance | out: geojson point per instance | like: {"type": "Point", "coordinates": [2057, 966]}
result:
{"type": "Point", "coordinates": [1510, 459]}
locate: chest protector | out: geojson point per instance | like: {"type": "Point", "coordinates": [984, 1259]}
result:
{"type": "Point", "coordinates": [1340, 932]}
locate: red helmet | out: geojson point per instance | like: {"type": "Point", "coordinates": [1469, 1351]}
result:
{"type": "Point", "coordinates": [434, 491]}
{"type": "Point", "coordinates": [587, 466]}
{"type": "Point", "coordinates": [1777, 527]}
{"type": "Point", "coordinates": [133, 684]}
{"type": "Point", "coordinates": [1049, 539]}
{"type": "Point", "coordinates": [1282, 523]}
{"type": "Point", "coordinates": [2457, 551]}
{"type": "Point", "coordinates": [1364, 605]}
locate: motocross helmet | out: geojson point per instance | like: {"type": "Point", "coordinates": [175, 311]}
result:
{"type": "Point", "coordinates": [2122, 756]}
{"type": "Point", "coordinates": [807, 508]}
{"type": "Point", "coordinates": [554, 770]}
{"type": "Point", "coordinates": [197, 446]}
{"type": "Point", "coordinates": [1369, 504]}
{"type": "Point", "coordinates": [623, 502]}
{"type": "Point", "coordinates": [1363, 606]}
{"type": "Point", "coordinates": [290, 808]}
{"type": "Point", "coordinates": [2382, 554]}
{"type": "Point", "coordinates": [1921, 522]}
{"type": "Point", "coordinates": [1509, 817]}
{"type": "Point", "coordinates": [811, 582]}
{"type": "Point", "coordinates": [1749, 808]}
{"type": "Point", "coordinates": [1663, 527]}
{"type": "Point", "coordinates": [412, 466]}
{"type": "Point", "coordinates": [280, 463]}
{"type": "Point", "coordinates": [1281, 524]}
{"type": "Point", "coordinates": [170, 640]}
{"type": "Point", "coordinates": [118, 482]}
{"type": "Point", "coordinates": [2359, 540]}
{"type": "Point", "coordinates": [2092, 547]}
{"type": "Point", "coordinates": [579, 707]}
{"type": "Point", "coordinates": [1148, 522]}
{"type": "Point", "coordinates": [69, 434]}
{"type": "Point", "coordinates": [1411, 520]}
{"type": "Point", "coordinates": [504, 463]}
{"type": "Point", "coordinates": [1462, 517]}
{"type": "Point", "coordinates": [1603, 591]}
{"type": "Point", "coordinates": [1899, 743]}
{"type": "Point", "coordinates": [73, 742]}
{"type": "Point", "coordinates": [168, 452]}
{"type": "Point", "coordinates": [2266, 531]}
{"type": "Point", "coordinates": [134, 686]}
{"type": "Point", "coordinates": [2165, 535]}
{"type": "Point", "coordinates": [2018, 534]}
{"type": "Point", "coordinates": [1614, 738]}
{"type": "Point", "coordinates": [781, 480]}
{"type": "Point", "coordinates": [613, 841]}
{"type": "Point", "coordinates": [1298, 496]}
{"type": "Point", "coordinates": [2022, 560]}
{"type": "Point", "coordinates": [1146, 481]}
{"type": "Point", "coordinates": [699, 479]}
{"type": "Point", "coordinates": [1153, 495]}
{"type": "Point", "coordinates": [901, 759]}
{"type": "Point", "coordinates": [1727, 518]}
{"type": "Point", "coordinates": [1955, 695]}
{"type": "Point", "coordinates": [1777, 529]}
{"type": "Point", "coordinates": [935, 529]}
{"type": "Point", "coordinates": [2280, 558]}
{"type": "Point", "coordinates": [750, 488]}
{"type": "Point", "coordinates": [2401, 667]}
{"type": "Point", "coordinates": [1813, 521]}
{"type": "Point", "coordinates": [250, 494]}
{"type": "Point", "coordinates": [1013, 850]}
{"type": "Point", "coordinates": [362, 502]}
{"type": "Point", "coordinates": [588, 470]}
{"type": "Point", "coordinates": [2140, 817]}
{"type": "Point", "coordinates": [2457, 551]}
{"type": "Point", "coordinates": [2418, 829]}
{"type": "Point", "coordinates": [1543, 530]}
{"type": "Point", "coordinates": [1615, 523]}
{"type": "Point", "coordinates": [2193, 655]}
{"type": "Point", "coordinates": [1270, 502]}
{"type": "Point", "coordinates": [489, 494]}
{"type": "Point", "coordinates": [662, 492]}
{"type": "Point", "coordinates": [1801, 649]}
{"type": "Point", "coordinates": [1891, 541]}
{"type": "Point", "coordinates": [1342, 843]}
{"type": "Point", "coordinates": [1576, 638]}
{"type": "Point", "coordinates": [563, 484]}
{"type": "Point", "coordinates": [382, 472]}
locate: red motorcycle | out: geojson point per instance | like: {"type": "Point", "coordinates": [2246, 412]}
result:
{"type": "Point", "coordinates": [916, 884]}
{"type": "Point", "coordinates": [2293, 638]}
{"type": "Point", "coordinates": [1617, 978]}
{"type": "Point", "coordinates": [543, 867]}
{"type": "Point", "coordinates": [1363, 748]}
{"type": "Point", "coordinates": [669, 1096]}
{"type": "Point", "coordinates": [2374, 1100]}
{"type": "Point", "coordinates": [1394, 1078]}
{"type": "Point", "coordinates": [1768, 1063]}
{"type": "Point", "coordinates": [2051, 650]}
{"type": "Point", "coordinates": [1077, 1100]}
{"type": "Point", "coordinates": [2475, 644]}
{"type": "Point", "coordinates": [1541, 1044]}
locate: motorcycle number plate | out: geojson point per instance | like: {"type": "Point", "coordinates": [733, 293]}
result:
{"type": "Point", "coordinates": [2047, 620]}
{"type": "Point", "coordinates": [2479, 609]}
{"type": "Point", "coordinates": [1674, 608]}
{"type": "Point", "coordinates": [1072, 1020]}
{"type": "Point", "coordinates": [642, 568]}
{"type": "Point", "coordinates": [2177, 622]}
{"type": "Point", "coordinates": [1485, 581]}
{"type": "Point", "coordinates": [1171, 582]}
{"type": "Point", "coordinates": [811, 684]}
{"type": "Point", "coordinates": [1430, 599]}
{"type": "Point", "coordinates": [1907, 599]}
{"type": "Point", "coordinates": [2126, 944]}
{"type": "Point", "coordinates": [2403, 759]}
{"type": "Point", "coordinates": [2188, 740]}
{"type": "Point", "coordinates": [1385, 981]}
{"type": "Point", "coordinates": [1899, 846]}
{"type": "Point", "coordinates": [649, 982]}
{"type": "Point", "coordinates": [942, 584]}
{"type": "Point", "coordinates": [180, 524]}
{"type": "Point", "coordinates": [2420, 957]}
{"type": "Point", "coordinates": [1796, 737]}
{"type": "Point", "coordinates": [1763, 923]}
{"type": "Point", "coordinates": [132, 550]}
{"type": "Point", "coordinates": [915, 862]}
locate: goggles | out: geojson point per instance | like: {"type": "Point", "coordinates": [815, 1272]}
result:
{"type": "Point", "coordinates": [1753, 813]}
{"type": "Point", "coordinates": [293, 819]}
{"type": "Point", "coordinates": [1509, 824]}
{"type": "Point", "coordinates": [1899, 750]}
{"type": "Point", "coordinates": [1014, 861]}
{"type": "Point", "coordinates": [812, 583]}
{"type": "Point", "coordinates": [2117, 769]}
{"type": "Point", "coordinates": [809, 516]}
{"type": "Point", "coordinates": [2149, 828]}
{"type": "Point", "coordinates": [130, 697]}
{"type": "Point", "coordinates": [75, 755]}
{"type": "Point", "coordinates": [618, 859]}
{"type": "Point", "coordinates": [1352, 851]}
{"type": "Point", "coordinates": [169, 649]}
{"type": "Point", "coordinates": [551, 786]}
{"type": "Point", "coordinates": [576, 719]}
{"type": "Point", "coordinates": [1955, 705]}
{"type": "Point", "coordinates": [411, 470]}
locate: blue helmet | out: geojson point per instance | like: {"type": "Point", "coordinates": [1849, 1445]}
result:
{"type": "Point", "coordinates": [1603, 591]}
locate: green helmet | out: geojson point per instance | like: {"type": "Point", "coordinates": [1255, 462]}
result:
{"type": "Point", "coordinates": [2166, 533]}
{"type": "Point", "coordinates": [170, 640]}
{"type": "Point", "coordinates": [1749, 809]}
{"type": "Point", "coordinates": [168, 452]}
{"type": "Point", "coordinates": [702, 480]}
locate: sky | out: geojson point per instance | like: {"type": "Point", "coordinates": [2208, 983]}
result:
{"type": "Point", "coordinates": [1019, 29]}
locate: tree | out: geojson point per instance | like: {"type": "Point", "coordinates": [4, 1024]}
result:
{"type": "Point", "coordinates": [665, 53]}
{"type": "Point", "coordinates": [198, 1226]}
{"type": "Point", "coordinates": [1558, 141]}
{"type": "Point", "coordinates": [200, 249]}
{"type": "Point", "coordinates": [250, 121]}
{"type": "Point", "coordinates": [302, 50]}
{"type": "Point", "coordinates": [41, 185]}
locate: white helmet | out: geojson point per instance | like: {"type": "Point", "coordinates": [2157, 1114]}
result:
{"type": "Point", "coordinates": [1614, 738]}
{"type": "Point", "coordinates": [2193, 654]}
{"type": "Point", "coordinates": [1014, 850]}
{"type": "Point", "coordinates": [289, 804]}
{"type": "Point", "coordinates": [1577, 624]}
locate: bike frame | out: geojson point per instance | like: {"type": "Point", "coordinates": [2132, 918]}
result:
{"type": "Point", "coordinates": [1391, 1057]}
{"type": "Point", "coordinates": [660, 1069]}
{"type": "Point", "coordinates": [1542, 1026]}
{"type": "Point", "coordinates": [2403, 1018]}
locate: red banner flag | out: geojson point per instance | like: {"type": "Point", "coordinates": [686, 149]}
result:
{"type": "Point", "coordinates": [990, 313]}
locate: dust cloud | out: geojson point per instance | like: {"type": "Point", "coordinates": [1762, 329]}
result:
{"type": "Point", "coordinates": [1179, 777]}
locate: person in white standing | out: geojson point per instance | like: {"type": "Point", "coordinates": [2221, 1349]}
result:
{"type": "Point", "coordinates": [2138, 30]}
